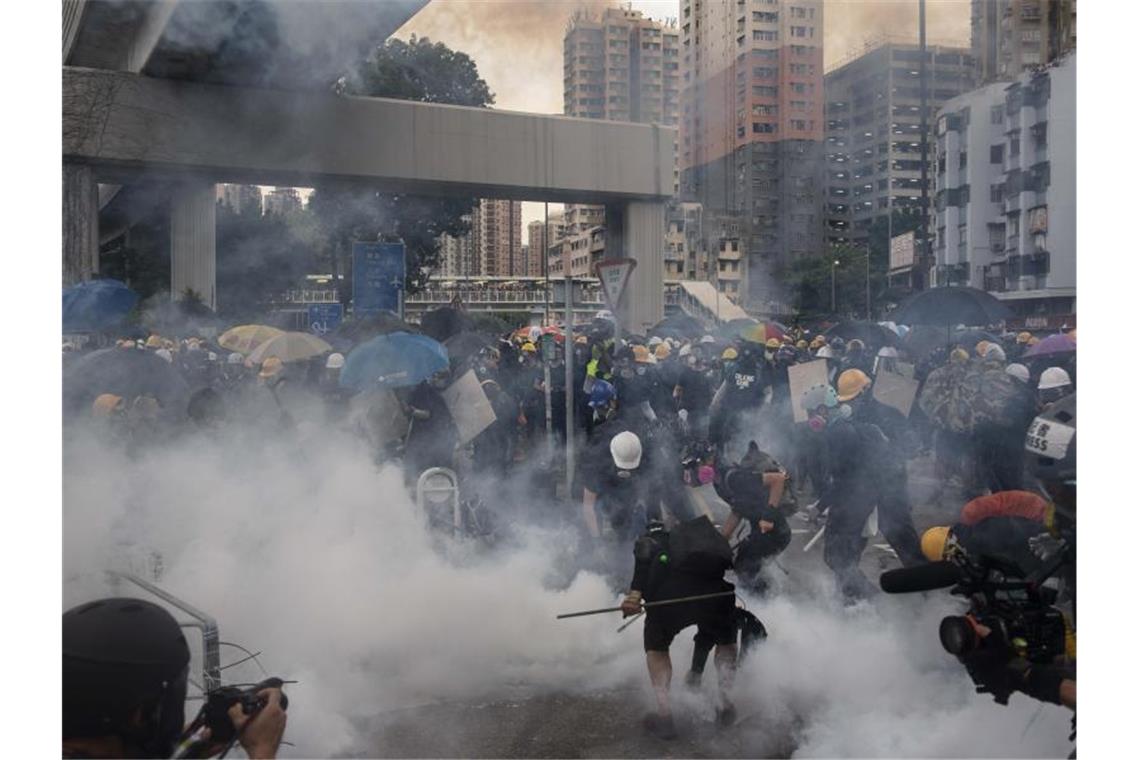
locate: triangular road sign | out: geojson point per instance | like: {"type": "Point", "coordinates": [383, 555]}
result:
{"type": "Point", "coordinates": [614, 274]}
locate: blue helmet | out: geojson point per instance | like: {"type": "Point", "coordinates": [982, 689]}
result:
{"type": "Point", "coordinates": [601, 394]}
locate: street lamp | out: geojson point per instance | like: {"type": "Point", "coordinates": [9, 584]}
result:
{"type": "Point", "coordinates": [834, 264]}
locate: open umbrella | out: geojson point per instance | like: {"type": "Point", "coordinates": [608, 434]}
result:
{"type": "Point", "coordinates": [381, 323]}
{"type": "Point", "coordinates": [393, 361]}
{"type": "Point", "coordinates": [126, 372]}
{"type": "Point", "coordinates": [1051, 346]}
{"type": "Point", "coordinates": [465, 344]}
{"type": "Point", "coordinates": [960, 397]}
{"type": "Point", "coordinates": [873, 335]}
{"type": "Point", "coordinates": [444, 322]}
{"type": "Point", "coordinates": [96, 305]}
{"type": "Point", "coordinates": [678, 326]}
{"type": "Point", "coordinates": [761, 332]}
{"type": "Point", "coordinates": [244, 338]}
{"type": "Point", "coordinates": [289, 347]}
{"type": "Point", "coordinates": [950, 306]}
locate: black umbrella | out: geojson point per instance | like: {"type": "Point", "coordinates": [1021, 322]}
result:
{"type": "Point", "coordinates": [380, 323]}
{"type": "Point", "coordinates": [465, 344]}
{"type": "Point", "coordinates": [444, 322]}
{"type": "Point", "coordinates": [950, 306]}
{"type": "Point", "coordinates": [126, 372]}
{"type": "Point", "coordinates": [678, 326]}
{"type": "Point", "coordinates": [873, 335]}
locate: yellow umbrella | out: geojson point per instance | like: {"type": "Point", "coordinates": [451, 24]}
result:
{"type": "Point", "coordinates": [245, 338]}
{"type": "Point", "coordinates": [289, 347]}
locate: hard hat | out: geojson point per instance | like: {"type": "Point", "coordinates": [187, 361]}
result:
{"type": "Point", "coordinates": [934, 542]}
{"type": "Point", "coordinates": [1051, 442]}
{"type": "Point", "coordinates": [163, 353]}
{"type": "Point", "coordinates": [154, 341]}
{"type": "Point", "coordinates": [1054, 377]}
{"type": "Point", "coordinates": [119, 655]}
{"type": "Point", "coordinates": [601, 393]}
{"type": "Point", "coordinates": [641, 355]}
{"type": "Point", "coordinates": [772, 343]}
{"type": "Point", "coordinates": [981, 346]}
{"type": "Point", "coordinates": [995, 353]}
{"type": "Point", "coordinates": [654, 342]}
{"type": "Point", "coordinates": [1033, 340]}
{"type": "Point", "coordinates": [959, 356]}
{"type": "Point", "coordinates": [801, 344]}
{"type": "Point", "coordinates": [837, 343]}
{"type": "Point", "coordinates": [529, 347]}
{"type": "Point", "coordinates": [271, 367]}
{"type": "Point", "coordinates": [817, 396]}
{"type": "Point", "coordinates": [825, 352]}
{"type": "Point", "coordinates": [662, 351]}
{"type": "Point", "coordinates": [818, 341]}
{"type": "Point", "coordinates": [106, 404]}
{"type": "Point", "coordinates": [1023, 337]}
{"type": "Point", "coordinates": [887, 352]}
{"type": "Point", "coordinates": [1020, 371]}
{"type": "Point", "coordinates": [851, 383]}
{"type": "Point", "coordinates": [708, 339]}
{"type": "Point", "coordinates": [729, 353]}
{"type": "Point", "coordinates": [686, 350]}
{"type": "Point", "coordinates": [335, 361]}
{"type": "Point", "coordinates": [855, 345]}
{"type": "Point", "coordinates": [211, 356]}
{"type": "Point", "coordinates": [625, 448]}
{"type": "Point", "coordinates": [234, 358]}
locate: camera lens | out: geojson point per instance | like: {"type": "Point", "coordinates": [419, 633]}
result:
{"type": "Point", "coordinates": [957, 635]}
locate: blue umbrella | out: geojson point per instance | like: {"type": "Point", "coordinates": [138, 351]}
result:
{"type": "Point", "coordinates": [396, 360]}
{"type": "Point", "coordinates": [96, 305]}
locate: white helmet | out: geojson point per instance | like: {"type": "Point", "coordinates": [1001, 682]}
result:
{"type": "Point", "coordinates": [235, 358]}
{"type": "Point", "coordinates": [162, 353]}
{"type": "Point", "coordinates": [625, 448]}
{"type": "Point", "coordinates": [654, 342]}
{"type": "Point", "coordinates": [1054, 377]}
{"type": "Point", "coordinates": [708, 339]}
{"type": "Point", "coordinates": [995, 353]}
{"type": "Point", "coordinates": [686, 350]}
{"type": "Point", "coordinates": [1020, 371]}
{"type": "Point", "coordinates": [887, 352]}
{"type": "Point", "coordinates": [825, 352]}
{"type": "Point", "coordinates": [335, 361]}
{"type": "Point", "coordinates": [211, 356]}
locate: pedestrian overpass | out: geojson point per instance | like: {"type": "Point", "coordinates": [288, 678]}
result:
{"type": "Point", "coordinates": [195, 92]}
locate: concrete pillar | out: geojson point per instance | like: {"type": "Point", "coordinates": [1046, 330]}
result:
{"type": "Point", "coordinates": [192, 242]}
{"type": "Point", "coordinates": [80, 223]}
{"type": "Point", "coordinates": [637, 230]}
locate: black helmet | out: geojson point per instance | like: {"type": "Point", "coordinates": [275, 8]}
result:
{"type": "Point", "coordinates": [119, 655]}
{"type": "Point", "coordinates": [1051, 442]}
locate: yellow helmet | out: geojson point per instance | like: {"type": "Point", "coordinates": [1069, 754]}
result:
{"type": "Point", "coordinates": [772, 343]}
{"type": "Point", "coordinates": [662, 351]}
{"type": "Point", "coordinates": [934, 542]}
{"type": "Point", "coordinates": [801, 344]}
{"type": "Point", "coordinates": [1033, 341]}
{"type": "Point", "coordinates": [154, 341]}
{"type": "Point", "coordinates": [981, 347]}
{"type": "Point", "coordinates": [529, 347]}
{"type": "Point", "coordinates": [729, 353]}
{"type": "Point", "coordinates": [959, 356]}
{"type": "Point", "coordinates": [851, 383]}
{"type": "Point", "coordinates": [1023, 337]}
{"type": "Point", "coordinates": [106, 405]}
{"type": "Point", "coordinates": [271, 367]}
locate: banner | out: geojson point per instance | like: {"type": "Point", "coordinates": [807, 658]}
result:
{"type": "Point", "coordinates": [896, 391]}
{"type": "Point", "coordinates": [902, 251]}
{"type": "Point", "coordinates": [469, 407]}
{"type": "Point", "coordinates": [800, 378]}
{"type": "Point", "coordinates": [377, 278]}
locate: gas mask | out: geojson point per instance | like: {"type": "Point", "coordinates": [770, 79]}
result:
{"type": "Point", "coordinates": [817, 423]}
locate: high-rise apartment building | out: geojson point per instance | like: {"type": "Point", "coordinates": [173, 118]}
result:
{"type": "Point", "coordinates": [1005, 215]}
{"type": "Point", "coordinates": [497, 228]}
{"type": "Point", "coordinates": [1010, 37]}
{"type": "Point", "coordinates": [620, 66]}
{"type": "Point", "coordinates": [752, 126]}
{"type": "Point", "coordinates": [457, 255]}
{"type": "Point", "coordinates": [241, 199]}
{"type": "Point", "coordinates": [873, 131]}
{"type": "Point", "coordinates": [282, 200]}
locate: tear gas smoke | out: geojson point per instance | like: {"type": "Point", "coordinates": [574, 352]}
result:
{"type": "Point", "coordinates": [303, 551]}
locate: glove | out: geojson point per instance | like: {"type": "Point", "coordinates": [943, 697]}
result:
{"type": "Point", "coordinates": [631, 605]}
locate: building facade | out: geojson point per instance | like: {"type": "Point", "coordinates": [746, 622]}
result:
{"type": "Point", "coordinates": [1010, 37]}
{"type": "Point", "coordinates": [1006, 199]}
{"type": "Point", "coordinates": [283, 200]}
{"type": "Point", "coordinates": [497, 228]}
{"type": "Point", "coordinates": [686, 257]}
{"type": "Point", "coordinates": [874, 152]}
{"type": "Point", "coordinates": [458, 256]}
{"type": "Point", "coordinates": [752, 128]}
{"type": "Point", "coordinates": [618, 66]}
{"type": "Point", "coordinates": [241, 199]}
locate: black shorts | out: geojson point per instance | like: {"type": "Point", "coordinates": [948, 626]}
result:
{"type": "Point", "coordinates": [713, 618]}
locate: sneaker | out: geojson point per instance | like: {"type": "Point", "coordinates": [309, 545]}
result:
{"type": "Point", "coordinates": [661, 726]}
{"type": "Point", "coordinates": [726, 714]}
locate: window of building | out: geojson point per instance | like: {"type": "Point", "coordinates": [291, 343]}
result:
{"type": "Point", "coordinates": [764, 110]}
{"type": "Point", "coordinates": [764, 35]}
{"type": "Point", "coordinates": [1014, 146]}
{"type": "Point", "coordinates": [803, 31]}
{"type": "Point", "coordinates": [1031, 35]}
{"type": "Point", "coordinates": [996, 152]}
{"type": "Point", "coordinates": [765, 17]}
{"type": "Point", "coordinates": [764, 72]}
{"type": "Point", "coordinates": [962, 160]}
{"type": "Point", "coordinates": [764, 91]}
{"type": "Point", "coordinates": [798, 124]}
{"type": "Point", "coordinates": [763, 127]}
{"type": "Point", "coordinates": [997, 193]}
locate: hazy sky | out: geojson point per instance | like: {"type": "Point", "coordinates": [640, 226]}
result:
{"type": "Point", "coordinates": [517, 44]}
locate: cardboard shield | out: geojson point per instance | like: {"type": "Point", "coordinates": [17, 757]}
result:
{"type": "Point", "coordinates": [896, 391]}
{"type": "Point", "coordinates": [469, 407]}
{"type": "Point", "coordinates": [800, 378]}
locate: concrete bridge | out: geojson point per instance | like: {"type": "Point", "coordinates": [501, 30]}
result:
{"type": "Point", "coordinates": [171, 91]}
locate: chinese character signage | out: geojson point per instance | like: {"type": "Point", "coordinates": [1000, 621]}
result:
{"type": "Point", "coordinates": [377, 278]}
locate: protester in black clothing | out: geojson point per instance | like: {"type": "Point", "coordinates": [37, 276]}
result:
{"type": "Point", "coordinates": [433, 436]}
{"type": "Point", "coordinates": [741, 392]}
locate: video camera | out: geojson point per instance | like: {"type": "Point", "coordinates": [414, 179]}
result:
{"type": "Point", "coordinates": [1019, 611]}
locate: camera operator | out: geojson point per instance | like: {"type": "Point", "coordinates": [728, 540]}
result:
{"type": "Point", "coordinates": [125, 672]}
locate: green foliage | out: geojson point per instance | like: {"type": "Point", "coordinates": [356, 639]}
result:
{"type": "Point", "coordinates": [415, 70]}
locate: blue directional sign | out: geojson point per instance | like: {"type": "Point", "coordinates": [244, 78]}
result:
{"type": "Point", "coordinates": [325, 317]}
{"type": "Point", "coordinates": [377, 277]}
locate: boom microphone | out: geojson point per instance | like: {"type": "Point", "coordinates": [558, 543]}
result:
{"type": "Point", "coordinates": [928, 577]}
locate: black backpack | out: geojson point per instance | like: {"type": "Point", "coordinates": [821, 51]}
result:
{"type": "Point", "coordinates": [697, 548]}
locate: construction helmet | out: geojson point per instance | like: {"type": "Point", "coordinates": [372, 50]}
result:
{"type": "Point", "coordinates": [662, 351]}
{"type": "Point", "coordinates": [234, 358]}
{"type": "Point", "coordinates": [106, 405]}
{"type": "Point", "coordinates": [959, 356]}
{"type": "Point", "coordinates": [818, 341]}
{"type": "Point", "coordinates": [934, 542]}
{"type": "Point", "coordinates": [654, 342]}
{"type": "Point", "coordinates": [529, 348]}
{"type": "Point", "coordinates": [729, 354]}
{"type": "Point", "coordinates": [1023, 337]}
{"type": "Point", "coordinates": [1054, 377]}
{"type": "Point", "coordinates": [855, 345]}
{"type": "Point", "coordinates": [851, 383]}
{"type": "Point", "coordinates": [271, 367]}
{"type": "Point", "coordinates": [708, 339]}
{"type": "Point", "coordinates": [625, 448]}
{"type": "Point", "coordinates": [641, 355]}
{"type": "Point", "coordinates": [772, 343]}
{"type": "Point", "coordinates": [837, 343]}
{"type": "Point", "coordinates": [601, 393]}
{"type": "Point", "coordinates": [825, 352]}
{"type": "Point", "coordinates": [981, 347]}
{"type": "Point", "coordinates": [801, 344]}
{"type": "Point", "coordinates": [164, 354]}
{"type": "Point", "coordinates": [335, 361]}
{"type": "Point", "coordinates": [153, 341]}
{"type": "Point", "coordinates": [1020, 371]}
{"type": "Point", "coordinates": [887, 352]}
{"type": "Point", "coordinates": [817, 396]}
{"type": "Point", "coordinates": [1033, 340]}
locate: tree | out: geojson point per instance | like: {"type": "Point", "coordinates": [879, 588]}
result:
{"type": "Point", "coordinates": [415, 70]}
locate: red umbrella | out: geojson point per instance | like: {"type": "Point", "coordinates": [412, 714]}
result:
{"type": "Point", "coordinates": [763, 331]}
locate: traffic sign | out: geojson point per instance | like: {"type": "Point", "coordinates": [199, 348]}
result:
{"type": "Point", "coordinates": [377, 278]}
{"type": "Point", "coordinates": [614, 274]}
{"type": "Point", "coordinates": [325, 317]}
